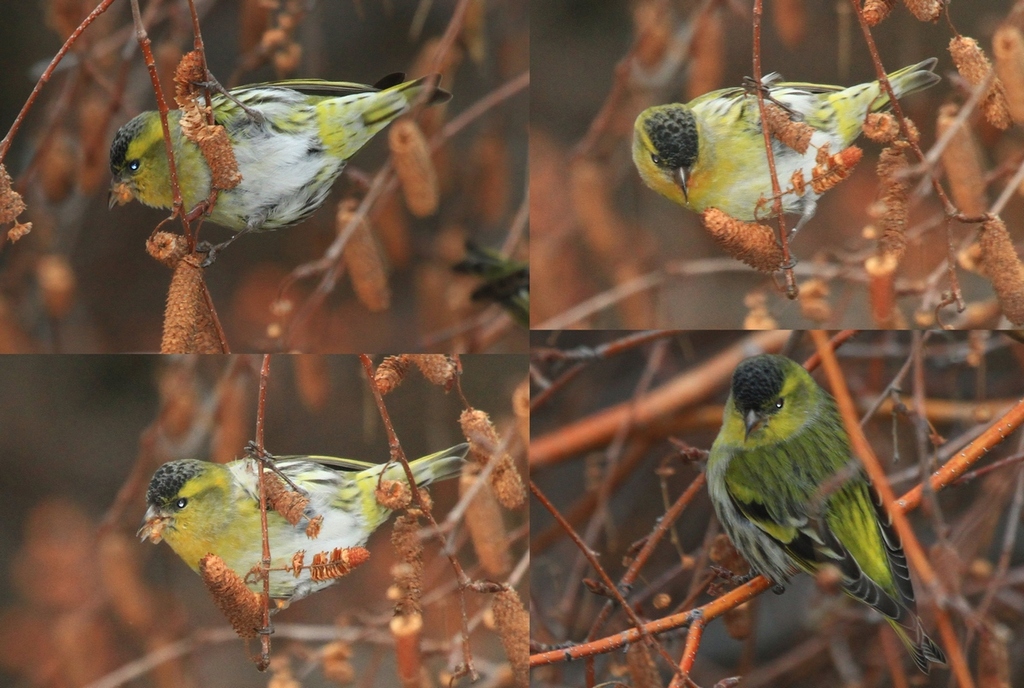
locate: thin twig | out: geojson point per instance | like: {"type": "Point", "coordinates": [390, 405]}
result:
{"type": "Point", "coordinates": [264, 660]}
{"type": "Point", "coordinates": [638, 625]}
{"type": "Point", "coordinates": [143, 38]}
{"type": "Point", "coordinates": [911, 546]}
{"type": "Point", "coordinates": [398, 454]}
{"type": "Point", "coordinates": [787, 266]}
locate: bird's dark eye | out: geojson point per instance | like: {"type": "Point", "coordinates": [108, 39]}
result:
{"type": "Point", "coordinates": [778, 403]}
{"type": "Point", "coordinates": [133, 165]}
{"type": "Point", "coordinates": [180, 504]}
{"type": "Point", "coordinates": [655, 159]}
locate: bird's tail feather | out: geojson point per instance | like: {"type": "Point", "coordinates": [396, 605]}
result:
{"type": "Point", "coordinates": [924, 650]}
{"type": "Point", "coordinates": [913, 78]}
{"type": "Point", "coordinates": [441, 465]}
{"type": "Point", "coordinates": [395, 100]}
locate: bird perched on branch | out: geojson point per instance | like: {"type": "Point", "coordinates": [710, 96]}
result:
{"type": "Point", "coordinates": [792, 497]}
{"type": "Point", "coordinates": [202, 508]}
{"type": "Point", "coordinates": [291, 140]}
{"type": "Point", "coordinates": [710, 152]}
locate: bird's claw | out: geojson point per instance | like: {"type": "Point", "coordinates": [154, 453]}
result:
{"type": "Point", "coordinates": [210, 250]}
{"type": "Point", "coordinates": [215, 86]}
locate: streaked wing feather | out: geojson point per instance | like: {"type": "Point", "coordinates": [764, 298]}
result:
{"type": "Point", "coordinates": [811, 543]}
{"type": "Point", "coordinates": [333, 462]}
{"type": "Point", "coordinates": [805, 87]}
{"type": "Point", "coordinates": [856, 582]}
{"type": "Point", "coordinates": [894, 550]}
{"type": "Point", "coordinates": [310, 87]}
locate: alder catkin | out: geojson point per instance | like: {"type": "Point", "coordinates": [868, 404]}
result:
{"type": "Point", "coordinates": [11, 204]}
{"type": "Point", "coordinates": [1008, 48]}
{"type": "Point", "coordinates": [212, 139]}
{"type": "Point", "coordinates": [242, 607]}
{"type": "Point", "coordinates": [1003, 268]}
{"type": "Point", "coordinates": [895, 192]}
{"type": "Point", "coordinates": [881, 271]}
{"type": "Point", "coordinates": [513, 624]}
{"type": "Point", "coordinates": [642, 669]}
{"type": "Point", "coordinates": [962, 161]}
{"type": "Point", "coordinates": [188, 320]}
{"type": "Point", "coordinates": [437, 368]}
{"type": "Point", "coordinates": [925, 10]}
{"type": "Point", "coordinates": [750, 242]}
{"type": "Point", "coordinates": [881, 127]}
{"type": "Point", "coordinates": [486, 526]}
{"type": "Point", "coordinates": [796, 135]}
{"type": "Point", "coordinates": [875, 11]}
{"type": "Point", "coordinates": [363, 259]}
{"type": "Point", "coordinates": [414, 167]}
{"type": "Point", "coordinates": [974, 67]}
{"type": "Point", "coordinates": [391, 372]}
{"type": "Point", "coordinates": [813, 299]}
{"type": "Point", "coordinates": [652, 29]}
{"type": "Point", "coordinates": [832, 169]}
{"type": "Point", "coordinates": [790, 20]}
{"type": "Point", "coordinates": [57, 284]}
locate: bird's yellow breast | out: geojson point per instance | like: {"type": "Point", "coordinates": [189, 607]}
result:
{"type": "Point", "coordinates": [730, 171]}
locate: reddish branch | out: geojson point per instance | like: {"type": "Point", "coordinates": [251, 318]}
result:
{"type": "Point", "coordinates": [147, 52]}
{"type": "Point", "coordinates": [610, 586]}
{"type": "Point", "coordinates": [951, 211]}
{"type": "Point", "coordinates": [264, 660]}
{"type": "Point", "coordinates": [398, 454]}
{"type": "Point", "coordinates": [791, 290]}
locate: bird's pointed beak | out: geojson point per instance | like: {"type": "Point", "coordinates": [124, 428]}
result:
{"type": "Point", "coordinates": [752, 421]}
{"type": "Point", "coordinates": [153, 525]}
{"type": "Point", "coordinates": [681, 176]}
{"type": "Point", "coordinates": [120, 193]}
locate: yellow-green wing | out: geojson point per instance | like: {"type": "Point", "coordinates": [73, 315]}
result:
{"type": "Point", "coordinates": [313, 87]}
{"type": "Point", "coordinates": [331, 461]}
{"type": "Point", "coordinates": [852, 531]}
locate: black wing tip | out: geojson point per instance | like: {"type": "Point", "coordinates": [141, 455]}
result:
{"type": "Point", "coordinates": [439, 95]}
{"type": "Point", "coordinates": [926, 651]}
{"type": "Point", "coordinates": [393, 79]}
{"type": "Point", "coordinates": [931, 651]}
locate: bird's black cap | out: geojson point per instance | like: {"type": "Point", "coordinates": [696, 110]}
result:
{"type": "Point", "coordinates": [673, 131]}
{"type": "Point", "coordinates": [169, 479]}
{"type": "Point", "coordinates": [119, 147]}
{"type": "Point", "coordinates": [758, 381]}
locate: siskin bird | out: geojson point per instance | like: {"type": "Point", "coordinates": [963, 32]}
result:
{"type": "Point", "coordinates": [200, 508]}
{"type": "Point", "coordinates": [710, 152]}
{"type": "Point", "coordinates": [291, 140]}
{"type": "Point", "coordinates": [506, 282]}
{"type": "Point", "coordinates": [791, 497]}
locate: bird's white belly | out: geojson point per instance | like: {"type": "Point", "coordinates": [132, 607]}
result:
{"type": "Point", "coordinates": [285, 179]}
